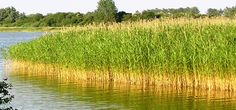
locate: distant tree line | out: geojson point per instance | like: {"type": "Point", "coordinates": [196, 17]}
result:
{"type": "Point", "coordinates": [106, 12]}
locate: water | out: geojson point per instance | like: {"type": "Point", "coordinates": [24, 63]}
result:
{"type": "Point", "coordinates": [10, 38]}
{"type": "Point", "coordinates": [41, 93]}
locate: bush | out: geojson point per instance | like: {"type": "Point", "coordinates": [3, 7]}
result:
{"type": "Point", "coordinates": [5, 96]}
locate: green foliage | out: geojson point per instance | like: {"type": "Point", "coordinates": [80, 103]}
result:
{"type": "Point", "coordinates": [8, 15]}
{"type": "Point", "coordinates": [230, 12]}
{"type": "Point", "coordinates": [62, 19]}
{"type": "Point", "coordinates": [148, 15]}
{"type": "Point", "coordinates": [179, 12]}
{"type": "Point", "coordinates": [5, 96]}
{"type": "Point", "coordinates": [214, 12]}
{"type": "Point", "coordinates": [123, 16]}
{"type": "Point", "coordinates": [127, 17]}
{"type": "Point", "coordinates": [30, 20]}
{"type": "Point", "coordinates": [136, 16]}
{"type": "Point", "coordinates": [88, 18]}
{"type": "Point", "coordinates": [188, 47]}
{"type": "Point", "coordinates": [106, 11]}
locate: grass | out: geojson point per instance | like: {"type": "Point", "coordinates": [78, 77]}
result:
{"type": "Point", "coordinates": [181, 48]}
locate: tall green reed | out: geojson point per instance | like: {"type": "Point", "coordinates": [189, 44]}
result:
{"type": "Point", "coordinates": [188, 48]}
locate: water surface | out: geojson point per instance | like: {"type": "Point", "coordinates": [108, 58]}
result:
{"type": "Point", "coordinates": [42, 93]}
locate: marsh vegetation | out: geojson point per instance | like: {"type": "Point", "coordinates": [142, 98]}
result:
{"type": "Point", "coordinates": [180, 53]}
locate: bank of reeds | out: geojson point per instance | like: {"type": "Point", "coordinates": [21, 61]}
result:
{"type": "Point", "coordinates": [180, 53]}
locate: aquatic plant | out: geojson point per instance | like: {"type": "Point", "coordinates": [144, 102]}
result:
{"type": "Point", "coordinates": [182, 48]}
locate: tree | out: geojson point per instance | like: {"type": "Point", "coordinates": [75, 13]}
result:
{"type": "Point", "coordinates": [194, 11]}
{"type": "Point", "coordinates": [35, 17]}
{"type": "Point", "coordinates": [5, 96]}
{"type": "Point", "coordinates": [230, 12]}
{"type": "Point", "coordinates": [176, 13]}
{"type": "Point", "coordinates": [88, 18]}
{"type": "Point", "coordinates": [127, 17]}
{"type": "Point", "coordinates": [9, 15]}
{"type": "Point", "coordinates": [123, 16]}
{"type": "Point", "coordinates": [148, 15]}
{"type": "Point", "coordinates": [211, 12]}
{"type": "Point", "coordinates": [136, 16]}
{"type": "Point", "coordinates": [106, 11]}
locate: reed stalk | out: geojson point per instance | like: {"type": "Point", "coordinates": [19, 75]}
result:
{"type": "Point", "coordinates": [180, 53]}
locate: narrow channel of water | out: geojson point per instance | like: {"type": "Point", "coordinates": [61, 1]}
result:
{"type": "Point", "coordinates": [42, 93]}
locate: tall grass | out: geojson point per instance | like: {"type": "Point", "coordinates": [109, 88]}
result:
{"type": "Point", "coordinates": [177, 47]}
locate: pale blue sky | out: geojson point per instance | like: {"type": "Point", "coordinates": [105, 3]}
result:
{"type": "Point", "coordinates": [52, 6]}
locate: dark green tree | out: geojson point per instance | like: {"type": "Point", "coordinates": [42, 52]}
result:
{"type": "Point", "coordinates": [30, 20]}
{"type": "Point", "coordinates": [211, 12]}
{"type": "Point", "coordinates": [9, 15]}
{"type": "Point", "coordinates": [127, 17]}
{"type": "Point", "coordinates": [72, 19]}
{"type": "Point", "coordinates": [5, 96]}
{"type": "Point", "coordinates": [194, 11]}
{"type": "Point", "coordinates": [136, 16]}
{"type": "Point", "coordinates": [88, 18]}
{"type": "Point", "coordinates": [148, 15]}
{"type": "Point", "coordinates": [123, 16]}
{"type": "Point", "coordinates": [230, 12]}
{"type": "Point", "coordinates": [106, 11]}
{"type": "Point", "coordinates": [189, 12]}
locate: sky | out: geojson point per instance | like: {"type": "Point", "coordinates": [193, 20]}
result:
{"type": "Point", "coordinates": [53, 6]}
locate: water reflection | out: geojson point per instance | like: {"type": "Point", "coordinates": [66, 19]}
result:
{"type": "Point", "coordinates": [38, 92]}
{"type": "Point", "coordinates": [10, 38]}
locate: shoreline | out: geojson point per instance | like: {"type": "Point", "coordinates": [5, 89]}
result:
{"type": "Point", "coordinates": [172, 81]}
{"type": "Point", "coordinates": [178, 54]}
{"type": "Point", "coordinates": [29, 29]}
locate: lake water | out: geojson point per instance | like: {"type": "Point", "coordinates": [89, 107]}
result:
{"type": "Point", "coordinates": [42, 93]}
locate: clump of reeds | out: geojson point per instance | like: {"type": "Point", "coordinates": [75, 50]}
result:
{"type": "Point", "coordinates": [186, 50]}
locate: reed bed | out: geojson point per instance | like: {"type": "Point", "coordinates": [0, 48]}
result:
{"type": "Point", "coordinates": [52, 78]}
{"type": "Point", "coordinates": [141, 81]}
{"type": "Point", "coordinates": [179, 53]}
